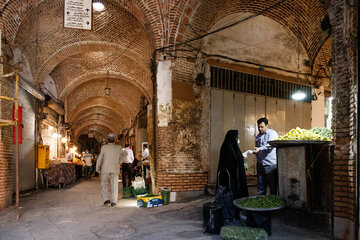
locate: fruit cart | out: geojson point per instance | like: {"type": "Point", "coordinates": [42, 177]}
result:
{"type": "Point", "coordinates": [305, 181]}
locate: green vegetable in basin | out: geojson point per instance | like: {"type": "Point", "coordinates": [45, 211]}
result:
{"type": "Point", "coordinates": [270, 201]}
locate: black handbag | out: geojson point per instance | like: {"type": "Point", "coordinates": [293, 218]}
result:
{"type": "Point", "coordinates": [225, 196]}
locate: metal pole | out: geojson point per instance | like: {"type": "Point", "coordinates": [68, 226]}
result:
{"type": "Point", "coordinates": [16, 100]}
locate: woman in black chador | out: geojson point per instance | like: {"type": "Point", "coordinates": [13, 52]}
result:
{"type": "Point", "coordinates": [232, 160]}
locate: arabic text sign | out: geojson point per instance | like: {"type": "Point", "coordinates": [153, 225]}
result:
{"type": "Point", "coordinates": [77, 14]}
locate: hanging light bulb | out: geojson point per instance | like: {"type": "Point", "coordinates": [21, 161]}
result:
{"type": "Point", "coordinates": [63, 140]}
{"type": "Point", "coordinates": [298, 94]}
{"type": "Point", "coordinates": [98, 6]}
{"type": "Point", "coordinates": [107, 89]}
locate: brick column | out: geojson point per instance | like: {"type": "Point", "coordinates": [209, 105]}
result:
{"type": "Point", "coordinates": [6, 146]}
{"type": "Point", "coordinates": [182, 145]}
{"type": "Point", "coordinates": [344, 87]}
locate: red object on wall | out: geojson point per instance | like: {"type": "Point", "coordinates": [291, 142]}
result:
{"type": "Point", "coordinates": [20, 125]}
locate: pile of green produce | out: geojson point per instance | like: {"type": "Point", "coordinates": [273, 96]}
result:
{"type": "Point", "coordinates": [149, 195]}
{"type": "Point", "coordinates": [242, 233]}
{"type": "Point", "coordinates": [325, 132]}
{"type": "Point", "coordinates": [270, 201]}
{"type": "Point", "coordinates": [303, 134]}
{"type": "Point", "coordinates": [140, 191]}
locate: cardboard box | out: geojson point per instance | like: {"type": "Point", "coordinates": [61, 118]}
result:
{"type": "Point", "coordinates": [149, 202]}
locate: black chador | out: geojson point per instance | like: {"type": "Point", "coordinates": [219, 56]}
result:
{"type": "Point", "coordinates": [231, 159]}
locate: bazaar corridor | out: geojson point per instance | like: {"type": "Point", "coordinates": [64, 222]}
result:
{"type": "Point", "coordinates": [77, 213]}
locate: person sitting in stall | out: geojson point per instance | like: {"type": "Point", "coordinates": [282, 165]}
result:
{"type": "Point", "coordinates": [136, 166]}
{"type": "Point", "coordinates": [68, 155]}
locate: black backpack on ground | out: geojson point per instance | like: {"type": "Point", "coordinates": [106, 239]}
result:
{"type": "Point", "coordinates": [225, 196]}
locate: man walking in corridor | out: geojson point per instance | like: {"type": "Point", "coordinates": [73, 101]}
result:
{"type": "Point", "coordinates": [108, 163]}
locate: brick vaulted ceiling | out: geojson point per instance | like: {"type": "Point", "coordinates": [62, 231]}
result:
{"type": "Point", "coordinates": [121, 44]}
{"type": "Point", "coordinates": [117, 50]}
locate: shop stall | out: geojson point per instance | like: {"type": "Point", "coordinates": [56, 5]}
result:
{"type": "Point", "coordinates": [305, 178]}
{"type": "Point", "coordinates": [60, 174]}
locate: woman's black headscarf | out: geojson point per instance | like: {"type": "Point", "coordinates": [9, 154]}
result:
{"type": "Point", "coordinates": [231, 159]}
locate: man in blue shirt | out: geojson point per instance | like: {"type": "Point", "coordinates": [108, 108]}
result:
{"type": "Point", "coordinates": [266, 158]}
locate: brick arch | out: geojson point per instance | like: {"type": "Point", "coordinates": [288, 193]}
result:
{"type": "Point", "coordinates": [108, 112]}
{"type": "Point", "coordinates": [183, 18]}
{"type": "Point", "coordinates": [109, 121]}
{"type": "Point", "coordinates": [319, 69]}
{"type": "Point", "coordinates": [114, 27]}
{"type": "Point", "coordinates": [86, 47]}
{"type": "Point", "coordinates": [97, 116]}
{"type": "Point", "coordinates": [167, 19]}
{"type": "Point", "coordinates": [97, 134]}
{"type": "Point", "coordinates": [103, 74]}
{"type": "Point", "coordinates": [260, 40]}
{"type": "Point", "coordinates": [105, 102]}
{"type": "Point", "coordinates": [92, 122]}
{"type": "Point", "coordinates": [121, 92]}
{"type": "Point", "coordinates": [312, 37]}
{"type": "Point", "coordinates": [99, 127]}
{"type": "Point", "coordinates": [16, 12]}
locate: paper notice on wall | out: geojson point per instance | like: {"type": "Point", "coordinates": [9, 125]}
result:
{"type": "Point", "coordinates": [78, 14]}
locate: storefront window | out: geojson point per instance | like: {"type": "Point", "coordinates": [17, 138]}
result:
{"type": "Point", "coordinates": [50, 137]}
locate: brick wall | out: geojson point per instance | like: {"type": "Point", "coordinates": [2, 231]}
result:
{"type": "Point", "coordinates": [343, 18]}
{"type": "Point", "coordinates": [6, 146]}
{"type": "Point", "coordinates": [344, 109]}
{"type": "Point", "coordinates": [183, 182]}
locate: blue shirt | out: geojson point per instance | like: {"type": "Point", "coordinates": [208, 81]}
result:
{"type": "Point", "coordinates": [266, 155]}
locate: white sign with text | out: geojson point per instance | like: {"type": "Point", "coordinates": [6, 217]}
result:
{"type": "Point", "coordinates": [78, 14]}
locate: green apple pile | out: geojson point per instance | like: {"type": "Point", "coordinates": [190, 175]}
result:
{"type": "Point", "coordinates": [303, 134]}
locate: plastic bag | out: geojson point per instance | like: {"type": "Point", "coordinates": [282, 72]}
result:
{"type": "Point", "coordinates": [138, 183]}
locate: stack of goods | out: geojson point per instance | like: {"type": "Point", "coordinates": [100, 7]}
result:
{"type": "Point", "coordinates": [55, 161]}
{"type": "Point", "coordinates": [128, 192]}
{"type": "Point", "coordinates": [303, 134]}
{"type": "Point", "coordinates": [138, 187]}
{"type": "Point", "coordinates": [138, 183]}
{"type": "Point", "coordinates": [139, 192]}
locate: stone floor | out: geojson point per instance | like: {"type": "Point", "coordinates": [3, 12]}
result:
{"type": "Point", "coordinates": [76, 212]}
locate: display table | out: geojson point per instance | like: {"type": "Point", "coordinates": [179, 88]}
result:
{"type": "Point", "coordinates": [78, 170]}
{"type": "Point", "coordinates": [60, 174]}
{"type": "Point", "coordinates": [258, 217]}
{"type": "Point", "coordinates": [305, 182]}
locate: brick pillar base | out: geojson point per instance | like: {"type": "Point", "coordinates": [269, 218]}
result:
{"type": "Point", "coordinates": [183, 182]}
